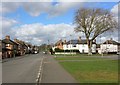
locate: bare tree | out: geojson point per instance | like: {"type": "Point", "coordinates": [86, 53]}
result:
{"type": "Point", "coordinates": [93, 22]}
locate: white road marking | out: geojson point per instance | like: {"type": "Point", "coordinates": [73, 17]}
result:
{"type": "Point", "coordinates": [39, 75]}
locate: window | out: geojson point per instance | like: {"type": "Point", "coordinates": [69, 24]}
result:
{"type": "Point", "coordinates": [7, 45]}
{"type": "Point", "coordinates": [74, 45]}
{"type": "Point", "coordinates": [83, 45]}
{"type": "Point", "coordinates": [66, 46]}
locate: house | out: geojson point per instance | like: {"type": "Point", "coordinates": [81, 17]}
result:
{"type": "Point", "coordinates": [28, 48]}
{"type": "Point", "coordinates": [109, 46]}
{"type": "Point", "coordinates": [9, 47]}
{"type": "Point", "coordinates": [22, 47]}
{"type": "Point", "coordinates": [80, 44]}
{"type": "Point", "coordinates": [59, 44]}
{"type": "Point", "coordinates": [4, 50]}
{"type": "Point", "coordinates": [0, 45]}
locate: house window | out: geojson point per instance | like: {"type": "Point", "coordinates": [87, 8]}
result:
{"type": "Point", "coordinates": [66, 46]}
{"type": "Point", "coordinates": [82, 50]}
{"type": "Point", "coordinates": [74, 45]}
{"type": "Point", "coordinates": [7, 45]}
{"type": "Point", "coordinates": [83, 45]}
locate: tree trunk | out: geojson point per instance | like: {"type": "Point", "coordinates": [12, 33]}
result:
{"type": "Point", "coordinates": [89, 42]}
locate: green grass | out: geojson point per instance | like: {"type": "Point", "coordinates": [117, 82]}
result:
{"type": "Point", "coordinates": [81, 58]}
{"type": "Point", "coordinates": [97, 71]}
{"type": "Point", "coordinates": [79, 55]}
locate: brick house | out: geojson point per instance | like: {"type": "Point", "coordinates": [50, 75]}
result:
{"type": "Point", "coordinates": [9, 48]}
{"type": "Point", "coordinates": [22, 47]}
{"type": "Point", "coordinates": [59, 44]}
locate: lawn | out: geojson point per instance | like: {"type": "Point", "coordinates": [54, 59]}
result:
{"type": "Point", "coordinates": [91, 69]}
{"type": "Point", "coordinates": [81, 55]}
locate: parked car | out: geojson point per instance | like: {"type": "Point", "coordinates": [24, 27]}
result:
{"type": "Point", "coordinates": [35, 50]}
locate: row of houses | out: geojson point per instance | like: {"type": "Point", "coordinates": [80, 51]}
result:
{"type": "Point", "coordinates": [109, 46]}
{"type": "Point", "coordinates": [11, 48]}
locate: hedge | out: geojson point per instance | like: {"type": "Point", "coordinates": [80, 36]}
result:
{"type": "Point", "coordinates": [60, 50]}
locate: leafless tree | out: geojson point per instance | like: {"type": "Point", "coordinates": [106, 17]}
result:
{"type": "Point", "coordinates": [93, 22]}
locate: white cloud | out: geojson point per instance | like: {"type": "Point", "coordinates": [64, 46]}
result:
{"type": "Point", "coordinates": [36, 8]}
{"type": "Point", "coordinates": [7, 24]}
{"type": "Point", "coordinates": [9, 7]}
{"type": "Point", "coordinates": [60, 0]}
{"type": "Point", "coordinates": [38, 33]}
{"type": "Point", "coordinates": [62, 7]}
{"type": "Point", "coordinates": [116, 11]}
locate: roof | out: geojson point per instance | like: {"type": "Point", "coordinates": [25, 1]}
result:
{"type": "Point", "coordinates": [78, 42]}
{"type": "Point", "coordinates": [7, 41]}
{"type": "Point", "coordinates": [111, 42]}
{"type": "Point", "coordinates": [58, 42]}
{"type": "Point", "coordinates": [20, 42]}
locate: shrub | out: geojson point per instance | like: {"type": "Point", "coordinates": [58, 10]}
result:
{"type": "Point", "coordinates": [60, 50]}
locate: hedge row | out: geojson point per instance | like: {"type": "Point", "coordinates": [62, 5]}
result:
{"type": "Point", "coordinates": [60, 50]}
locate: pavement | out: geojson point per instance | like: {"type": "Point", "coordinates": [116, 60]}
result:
{"type": "Point", "coordinates": [53, 72]}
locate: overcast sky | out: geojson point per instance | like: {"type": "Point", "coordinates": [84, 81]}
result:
{"type": "Point", "coordinates": [38, 22]}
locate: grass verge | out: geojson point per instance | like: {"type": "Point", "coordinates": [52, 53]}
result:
{"type": "Point", "coordinates": [97, 71]}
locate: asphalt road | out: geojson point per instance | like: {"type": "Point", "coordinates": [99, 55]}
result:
{"type": "Point", "coordinates": [23, 69]}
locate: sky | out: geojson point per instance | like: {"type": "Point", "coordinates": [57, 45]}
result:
{"type": "Point", "coordinates": [38, 22]}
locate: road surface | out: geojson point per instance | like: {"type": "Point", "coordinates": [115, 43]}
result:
{"type": "Point", "coordinates": [34, 68]}
{"type": "Point", "coordinates": [22, 69]}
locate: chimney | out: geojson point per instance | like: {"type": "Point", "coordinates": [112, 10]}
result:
{"type": "Point", "coordinates": [7, 37]}
{"type": "Point", "coordinates": [15, 40]}
{"type": "Point", "coordinates": [79, 38]}
{"type": "Point", "coordinates": [64, 41]}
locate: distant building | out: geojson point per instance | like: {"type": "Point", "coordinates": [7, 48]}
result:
{"type": "Point", "coordinates": [22, 47]}
{"type": "Point", "coordinates": [59, 44]}
{"type": "Point", "coordinates": [80, 45]}
{"type": "Point", "coordinates": [109, 46]}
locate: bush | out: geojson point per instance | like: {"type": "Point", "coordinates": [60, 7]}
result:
{"type": "Point", "coordinates": [60, 50]}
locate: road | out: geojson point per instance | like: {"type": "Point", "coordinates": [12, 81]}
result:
{"type": "Point", "coordinates": [22, 69]}
{"type": "Point", "coordinates": [34, 68]}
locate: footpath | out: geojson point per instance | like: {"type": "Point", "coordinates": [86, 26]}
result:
{"type": "Point", "coordinates": [53, 72]}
